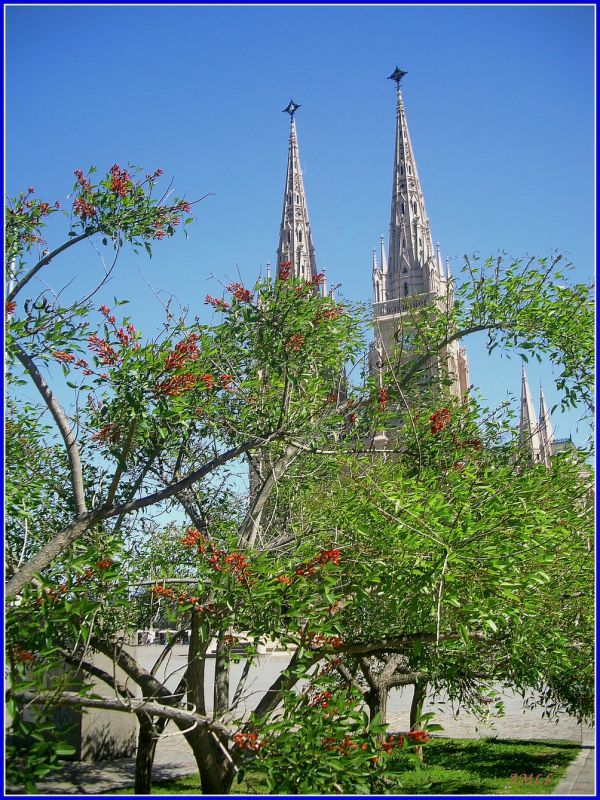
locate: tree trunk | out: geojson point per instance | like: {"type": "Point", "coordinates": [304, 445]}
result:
{"type": "Point", "coordinates": [221, 688]}
{"type": "Point", "coordinates": [376, 700]}
{"type": "Point", "coordinates": [216, 770]}
{"type": "Point", "coordinates": [144, 759]}
{"type": "Point", "coordinates": [416, 708]}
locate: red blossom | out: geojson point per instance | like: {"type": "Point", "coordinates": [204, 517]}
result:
{"type": "Point", "coordinates": [31, 190]}
{"type": "Point", "coordinates": [120, 181]}
{"type": "Point", "coordinates": [184, 351]}
{"type": "Point", "coordinates": [285, 270]}
{"type": "Point", "coordinates": [159, 234]}
{"type": "Point", "coordinates": [317, 280]}
{"type": "Point", "coordinates": [109, 433]}
{"type": "Point", "coordinates": [183, 206]}
{"type": "Point", "coordinates": [191, 538]}
{"type": "Point", "coordinates": [439, 419]}
{"type": "Point", "coordinates": [221, 305]}
{"type": "Point", "coordinates": [101, 347]}
{"type": "Point", "coordinates": [105, 563]}
{"type": "Point", "coordinates": [24, 656]}
{"type": "Point", "coordinates": [241, 294]}
{"type": "Point", "coordinates": [105, 310]}
{"type": "Point", "coordinates": [62, 357]}
{"type": "Point", "coordinates": [83, 209]}
{"type": "Point", "coordinates": [81, 179]}
{"type": "Point", "coordinates": [10, 307]}
{"type": "Point", "coordinates": [382, 398]}
{"type": "Point", "coordinates": [225, 381]}
{"type": "Point", "coordinates": [176, 385]}
{"type": "Point", "coordinates": [285, 579]}
{"type": "Point", "coordinates": [295, 343]}
{"type": "Point", "coordinates": [208, 381]}
{"type": "Point", "coordinates": [247, 741]}
{"type": "Point", "coordinates": [329, 314]}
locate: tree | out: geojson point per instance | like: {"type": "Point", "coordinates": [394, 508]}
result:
{"type": "Point", "coordinates": [312, 559]}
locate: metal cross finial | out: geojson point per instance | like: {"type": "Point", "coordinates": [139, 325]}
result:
{"type": "Point", "coordinates": [291, 109]}
{"type": "Point", "coordinates": [397, 76]}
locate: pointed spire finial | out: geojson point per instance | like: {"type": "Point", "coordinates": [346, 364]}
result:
{"type": "Point", "coordinates": [397, 76]}
{"type": "Point", "coordinates": [291, 109]}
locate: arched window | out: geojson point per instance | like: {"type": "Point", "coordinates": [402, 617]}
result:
{"type": "Point", "coordinates": [403, 209]}
{"type": "Point", "coordinates": [415, 206]}
{"type": "Point", "coordinates": [401, 170]}
{"type": "Point", "coordinates": [299, 236]}
{"type": "Point", "coordinates": [409, 169]}
{"type": "Point", "coordinates": [289, 237]}
{"type": "Point", "coordinates": [405, 289]}
{"type": "Point", "coordinates": [297, 198]}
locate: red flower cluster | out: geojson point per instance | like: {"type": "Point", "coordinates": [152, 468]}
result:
{"type": "Point", "coordinates": [235, 563]}
{"type": "Point", "coordinates": [320, 640]}
{"type": "Point", "coordinates": [81, 179]}
{"type": "Point", "coordinates": [241, 294]}
{"type": "Point", "coordinates": [285, 270]}
{"type": "Point", "coordinates": [192, 537]}
{"type": "Point", "coordinates": [332, 555]}
{"type": "Point", "coordinates": [101, 347]}
{"type": "Point", "coordinates": [159, 234]}
{"type": "Point", "coordinates": [324, 557]}
{"type": "Point", "coordinates": [439, 419]}
{"type": "Point", "coordinates": [183, 206]}
{"type": "Point", "coordinates": [329, 314]}
{"type": "Point", "coordinates": [317, 280]}
{"type": "Point", "coordinates": [10, 307]}
{"type": "Point", "coordinates": [83, 209]}
{"type": "Point", "coordinates": [221, 305]}
{"type": "Point", "coordinates": [62, 357]}
{"type": "Point", "coordinates": [345, 746]}
{"type": "Point", "coordinates": [418, 737]}
{"type": "Point", "coordinates": [175, 385]}
{"type": "Point", "coordinates": [225, 381]}
{"type": "Point", "coordinates": [182, 598]}
{"type": "Point", "coordinates": [186, 350]}
{"type": "Point", "coordinates": [382, 398]}
{"type": "Point", "coordinates": [476, 444]}
{"type": "Point", "coordinates": [285, 579]}
{"type": "Point", "coordinates": [247, 741]}
{"type": "Point", "coordinates": [105, 563]}
{"type": "Point", "coordinates": [295, 343]}
{"type": "Point", "coordinates": [321, 700]}
{"type": "Point", "coordinates": [120, 180]}
{"type": "Point", "coordinates": [109, 433]}
{"type": "Point", "coordinates": [24, 656]}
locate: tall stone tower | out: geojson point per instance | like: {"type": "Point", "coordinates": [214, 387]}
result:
{"type": "Point", "coordinates": [537, 436]}
{"type": "Point", "coordinates": [295, 240]}
{"type": "Point", "coordinates": [413, 275]}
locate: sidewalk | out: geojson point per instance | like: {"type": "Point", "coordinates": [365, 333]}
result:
{"type": "Point", "coordinates": [580, 776]}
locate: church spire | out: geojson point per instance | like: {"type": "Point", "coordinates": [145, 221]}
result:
{"type": "Point", "coordinates": [295, 241]}
{"type": "Point", "coordinates": [412, 264]}
{"type": "Point", "coordinates": [546, 431]}
{"type": "Point", "coordinates": [529, 432]}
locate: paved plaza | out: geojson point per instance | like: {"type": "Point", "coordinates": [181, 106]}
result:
{"type": "Point", "coordinates": [174, 758]}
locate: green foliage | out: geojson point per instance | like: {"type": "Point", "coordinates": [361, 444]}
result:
{"type": "Point", "coordinates": [323, 742]}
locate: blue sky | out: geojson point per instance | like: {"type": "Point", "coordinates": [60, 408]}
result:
{"type": "Point", "coordinates": [500, 105]}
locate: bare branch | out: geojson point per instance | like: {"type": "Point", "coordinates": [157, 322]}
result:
{"type": "Point", "coordinates": [63, 425]}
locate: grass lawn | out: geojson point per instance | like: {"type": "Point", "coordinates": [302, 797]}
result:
{"type": "Point", "coordinates": [455, 766]}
